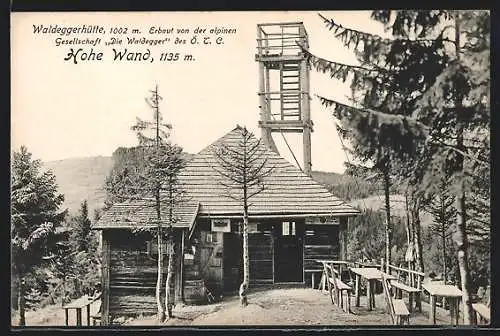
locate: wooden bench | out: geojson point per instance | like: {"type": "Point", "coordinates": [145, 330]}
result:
{"type": "Point", "coordinates": [97, 316]}
{"type": "Point", "coordinates": [338, 289]}
{"type": "Point", "coordinates": [482, 310]}
{"type": "Point", "coordinates": [408, 281]}
{"type": "Point", "coordinates": [398, 311]}
{"type": "Point", "coordinates": [483, 313]}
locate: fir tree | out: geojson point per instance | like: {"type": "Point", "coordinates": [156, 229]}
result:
{"type": "Point", "coordinates": [152, 182]}
{"type": "Point", "coordinates": [242, 169]}
{"type": "Point", "coordinates": [422, 95]}
{"type": "Point", "coordinates": [82, 228]}
{"type": "Point", "coordinates": [35, 214]}
{"type": "Point", "coordinates": [441, 207]}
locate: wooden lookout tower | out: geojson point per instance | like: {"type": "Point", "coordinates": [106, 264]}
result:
{"type": "Point", "coordinates": [284, 84]}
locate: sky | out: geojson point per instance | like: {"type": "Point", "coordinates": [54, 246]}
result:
{"type": "Point", "coordinates": [63, 110]}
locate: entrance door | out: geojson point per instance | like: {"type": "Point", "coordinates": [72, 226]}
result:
{"type": "Point", "coordinates": [232, 262]}
{"type": "Point", "coordinates": [288, 256]}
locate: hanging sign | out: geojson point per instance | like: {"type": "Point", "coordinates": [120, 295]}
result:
{"type": "Point", "coordinates": [221, 225]}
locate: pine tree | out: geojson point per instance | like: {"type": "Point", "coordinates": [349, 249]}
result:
{"type": "Point", "coordinates": [152, 181]}
{"type": "Point", "coordinates": [441, 207]}
{"type": "Point", "coordinates": [423, 96]}
{"type": "Point", "coordinates": [242, 169]}
{"type": "Point", "coordinates": [82, 228]}
{"type": "Point", "coordinates": [35, 214]}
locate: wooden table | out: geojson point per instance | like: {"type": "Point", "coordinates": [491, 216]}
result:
{"type": "Point", "coordinates": [82, 302]}
{"type": "Point", "coordinates": [450, 292]}
{"type": "Point", "coordinates": [371, 274]}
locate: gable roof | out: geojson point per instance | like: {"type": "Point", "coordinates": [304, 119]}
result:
{"type": "Point", "coordinates": [287, 192]}
{"type": "Point", "coordinates": [142, 214]}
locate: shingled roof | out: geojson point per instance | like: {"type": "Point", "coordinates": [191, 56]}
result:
{"type": "Point", "coordinates": [142, 214]}
{"type": "Point", "coordinates": [288, 192]}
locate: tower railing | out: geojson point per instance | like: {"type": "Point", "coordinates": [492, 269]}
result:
{"type": "Point", "coordinates": [277, 39]}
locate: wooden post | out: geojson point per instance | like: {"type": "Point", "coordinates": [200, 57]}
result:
{"type": "Point", "coordinates": [265, 113]}
{"type": "Point", "coordinates": [343, 226]}
{"type": "Point", "coordinates": [358, 279]}
{"type": "Point", "coordinates": [181, 284]}
{"type": "Point", "coordinates": [369, 294]}
{"type": "Point", "coordinates": [451, 303]}
{"type": "Point", "coordinates": [418, 298]}
{"type": "Point", "coordinates": [78, 316]}
{"type": "Point", "coordinates": [312, 280]}
{"type": "Point", "coordinates": [178, 262]}
{"type": "Point", "coordinates": [106, 251]}
{"type": "Point", "coordinates": [66, 315]}
{"type": "Point", "coordinates": [432, 315]}
{"type": "Point", "coordinates": [306, 116]}
{"type": "Point", "coordinates": [88, 314]}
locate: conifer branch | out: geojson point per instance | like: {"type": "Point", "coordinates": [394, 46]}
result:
{"type": "Point", "coordinates": [417, 128]}
{"type": "Point", "coordinates": [350, 35]}
{"type": "Point", "coordinates": [340, 70]}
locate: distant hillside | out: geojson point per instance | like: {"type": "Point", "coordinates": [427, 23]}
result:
{"type": "Point", "coordinates": [377, 202]}
{"type": "Point", "coordinates": [81, 179]}
{"type": "Point", "coordinates": [329, 178]}
{"type": "Point", "coordinates": [346, 187]}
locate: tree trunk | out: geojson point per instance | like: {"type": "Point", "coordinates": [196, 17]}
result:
{"type": "Point", "coordinates": [246, 261]}
{"type": "Point", "coordinates": [409, 257]}
{"type": "Point", "coordinates": [14, 292]}
{"type": "Point", "coordinates": [63, 297]}
{"type": "Point", "coordinates": [461, 235]}
{"type": "Point", "coordinates": [159, 282]}
{"type": "Point", "coordinates": [21, 301]}
{"type": "Point", "coordinates": [417, 235]}
{"type": "Point", "coordinates": [443, 242]}
{"type": "Point", "coordinates": [388, 227]}
{"type": "Point", "coordinates": [169, 298]}
{"type": "Point", "coordinates": [463, 263]}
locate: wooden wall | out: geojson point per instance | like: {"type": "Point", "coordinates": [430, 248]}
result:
{"type": "Point", "coordinates": [261, 254]}
{"type": "Point", "coordinates": [133, 274]}
{"type": "Point", "coordinates": [220, 256]}
{"type": "Point", "coordinates": [320, 242]}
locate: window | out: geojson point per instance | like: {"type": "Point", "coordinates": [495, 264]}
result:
{"type": "Point", "coordinates": [288, 229]}
{"type": "Point", "coordinates": [211, 237]}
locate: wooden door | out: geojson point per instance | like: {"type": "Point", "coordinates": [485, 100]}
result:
{"type": "Point", "coordinates": [232, 262]}
{"type": "Point", "coordinates": [211, 254]}
{"type": "Point", "coordinates": [288, 256]}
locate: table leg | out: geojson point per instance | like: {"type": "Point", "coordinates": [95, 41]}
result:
{"type": "Point", "coordinates": [349, 301]}
{"type": "Point", "coordinates": [358, 278]}
{"type": "Point", "coordinates": [432, 315]}
{"type": "Point", "coordinates": [66, 315]}
{"type": "Point", "coordinates": [312, 280]}
{"type": "Point", "coordinates": [451, 304]}
{"type": "Point", "coordinates": [410, 299]}
{"type": "Point", "coordinates": [457, 310]}
{"type": "Point", "coordinates": [369, 294]}
{"type": "Point", "coordinates": [373, 292]}
{"type": "Point", "coordinates": [323, 282]}
{"type": "Point", "coordinates": [88, 314]}
{"type": "Point", "coordinates": [78, 316]}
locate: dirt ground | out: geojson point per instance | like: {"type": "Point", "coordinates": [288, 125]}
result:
{"type": "Point", "coordinates": [278, 307]}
